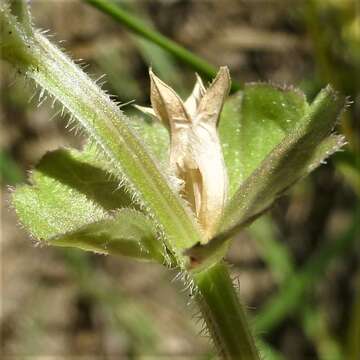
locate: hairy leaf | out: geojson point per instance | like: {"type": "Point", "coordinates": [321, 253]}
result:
{"type": "Point", "coordinates": [107, 127]}
{"type": "Point", "coordinates": [73, 201]}
{"type": "Point", "coordinates": [253, 122]}
{"type": "Point", "coordinates": [156, 137]}
{"type": "Point", "coordinates": [299, 152]}
{"type": "Point", "coordinates": [127, 233]}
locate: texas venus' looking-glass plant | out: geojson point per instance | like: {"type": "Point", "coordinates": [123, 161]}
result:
{"type": "Point", "coordinates": [174, 191]}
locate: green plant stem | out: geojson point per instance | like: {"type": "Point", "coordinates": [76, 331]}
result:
{"type": "Point", "coordinates": [140, 28]}
{"type": "Point", "coordinates": [224, 314]}
{"type": "Point", "coordinates": [105, 124]}
{"type": "Point", "coordinates": [108, 127]}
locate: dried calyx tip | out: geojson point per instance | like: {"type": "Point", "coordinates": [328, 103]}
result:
{"type": "Point", "coordinates": [195, 151]}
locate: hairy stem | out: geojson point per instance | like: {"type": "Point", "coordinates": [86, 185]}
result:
{"type": "Point", "coordinates": [105, 124]}
{"type": "Point", "coordinates": [224, 314]}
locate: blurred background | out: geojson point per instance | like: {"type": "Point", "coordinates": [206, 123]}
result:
{"type": "Point", "coordinates": [297, 267]}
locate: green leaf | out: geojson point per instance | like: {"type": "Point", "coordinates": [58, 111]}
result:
{"type": "Point", "coordinates": [253, 122]}
{"type": "Point", "coordinates": [73, 201]}
{"type": "Point", "coordinates": [88, 173]}
{"type": "Point", "coordinates": [155, 136]}
{"type": "Point", "coordinates": [127, 233]}
{"type": "Point", "coordinates": [111, 131]}
{"type": "Point", "coordinates": [107, 127]}
{"type": "Point", "coordinates": [299, 152]}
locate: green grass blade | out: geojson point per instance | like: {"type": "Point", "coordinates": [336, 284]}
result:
{"type": "Point", "coordinates": [291, 296]}
{"type": "Point", "coordinates": [274, 253]}
{"type": "Point", "coordinates": [139, 28]}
